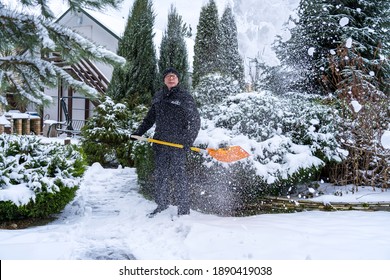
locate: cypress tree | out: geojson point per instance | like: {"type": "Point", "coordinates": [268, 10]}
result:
{"type": "Point", "coordinates": [230, 60]}
{"type": "Point", "coordinates": [136, 82]}
{"type": "Point", "coordinates": [206, 43]}
{"type": "Point", "coordinates": [173, 49]}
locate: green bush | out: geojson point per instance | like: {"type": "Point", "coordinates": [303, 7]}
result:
{"type": "Point", "coordinates": [106, 136]}
{"type": "Point", "coordinates": [37, 180]}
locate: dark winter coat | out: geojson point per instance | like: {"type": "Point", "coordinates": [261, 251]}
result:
{"type": "Point", "coordinates": [176, 117]}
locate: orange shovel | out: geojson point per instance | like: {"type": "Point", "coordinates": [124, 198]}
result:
{"type": "Point", "coordinates": [228, 154]}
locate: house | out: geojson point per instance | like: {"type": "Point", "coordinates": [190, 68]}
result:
{"type": "Point", "coordinates": [95, 74]}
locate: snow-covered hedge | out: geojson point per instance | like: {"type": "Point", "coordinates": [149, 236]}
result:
{"type": "Point", "coordinates": [283, 134]}
{"type": "Point", "coordinates": [290, 139]}
{"type": "Point", "coordinates": [37, 179]}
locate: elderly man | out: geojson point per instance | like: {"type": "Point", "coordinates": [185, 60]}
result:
{"type": "Point", "coordinates": [177, 120]}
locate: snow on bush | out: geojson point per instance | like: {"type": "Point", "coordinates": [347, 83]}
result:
{"type": "Point", "coordinates": [36, 179]}
{"type": "Point", "coordinates": [283, 134]}
{"type": "Point", "coordinates": [106, 136]}
{"type": "Point", "coordinates": [213, 89]}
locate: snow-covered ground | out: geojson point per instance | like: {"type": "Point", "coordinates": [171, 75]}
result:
{"type": "Point", "coordinates": [107, 220]}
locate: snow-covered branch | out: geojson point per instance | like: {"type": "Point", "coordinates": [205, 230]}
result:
{"type": "Point", "coordinates": [28, 38]}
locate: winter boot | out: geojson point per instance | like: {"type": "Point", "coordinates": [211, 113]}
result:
{"type": "Point", "coordinates": [156, 211]}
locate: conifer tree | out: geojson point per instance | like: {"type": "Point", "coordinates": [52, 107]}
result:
{"type": "Point", "coordinates": [27, 39]}
{"type": "Point", "coordinates": [230, 60]}
{"type": "Point", "coordinates": [206, 43]}
{"type": "Point", "coordinates": [323, 26]}
{"type": "Point", "coordinates": [173, 49]}
{"type": "Point", "coordinates": [136, 83]}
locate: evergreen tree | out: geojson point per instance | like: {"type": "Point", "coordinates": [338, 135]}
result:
{"type": "Point", "coordinates": [173, 49]}
{"type": "Point", "coordinates": [27, 39]}
{"type": "Point", "coordinates": [206, 43]}
{"type": "Point", "coordinates": [230, 60]}
{"type": "Point", "coordinates": [325, 25]}
{"type": "Point", "coordinates": [136, 83]}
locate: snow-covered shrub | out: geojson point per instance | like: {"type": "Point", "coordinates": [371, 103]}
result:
{"type": "Point", "coordinates": [366, 113]}
{"type": "Point", "coordinates": [368, 161]}
{"type": "Point", "coordinates": [106, 136]}
{"type": "Point", "coordinates": [37, 179]}
{"type": "Point", "coordinates": [291, 119]}
{"type": "Point", "coordinates": [289, 138]}
{"type": "Point", "coordinates": [214, 88]}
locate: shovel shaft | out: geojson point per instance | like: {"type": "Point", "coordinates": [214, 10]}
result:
{"type": "Point", "coordinates": [151, 140]}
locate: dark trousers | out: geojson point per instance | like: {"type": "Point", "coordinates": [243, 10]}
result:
{"type": "Point", "coordinates": [170, 167]}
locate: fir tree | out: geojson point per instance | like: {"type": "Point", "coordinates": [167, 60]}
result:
{"type": "Point", "coordinates": [325, 25]}
{"type": "Point", "coordinates": [311, 39]}
{"type": "Point", "coordinates": [136, 83]}
{"type": "Point", "coordinates": [230, 60]}
{"type": "Point", "coordinates": [173, 49]}
{"type": "Point", "coordinates": [27, 39]}
{"type": "Point", "coordinates": [206, 43]}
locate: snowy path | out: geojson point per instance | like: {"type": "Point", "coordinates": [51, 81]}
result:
{"type": "Point", "coordinates": [113, 221]}
{"type": "Point", "coordinates": [101, 232]}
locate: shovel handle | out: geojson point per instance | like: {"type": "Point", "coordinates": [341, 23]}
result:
{"type": "Point", "coordinates": [151, 140]}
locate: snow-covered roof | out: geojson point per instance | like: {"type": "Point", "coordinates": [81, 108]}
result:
{"type": "Point", "coordinates": [94, 18]}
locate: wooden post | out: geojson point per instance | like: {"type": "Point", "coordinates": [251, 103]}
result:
{"type": "Point", "coordinates": [36, 126]}
{"type": "Point", "coordinates": [18, 126]}
{"type": "Point", "coordinates": [26, 126]}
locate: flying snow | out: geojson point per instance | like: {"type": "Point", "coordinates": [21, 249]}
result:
{"type": "Point", "coordinates": [356, 106]}
{"type": "Point", "coordinates": [348, 44]}
{"type": "Point", "coordinates": [310, 51]}
{"type": "Point", "coordinates": [344, 21]}
{"type": "Point", "coordinates": [385, 139]}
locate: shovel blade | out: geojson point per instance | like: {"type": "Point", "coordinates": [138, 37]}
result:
{"type": "Point", "coordinates": [229, 154]}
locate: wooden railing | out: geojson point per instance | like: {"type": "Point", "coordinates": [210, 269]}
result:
{"type": "Point", "coordinates": [84, 71]}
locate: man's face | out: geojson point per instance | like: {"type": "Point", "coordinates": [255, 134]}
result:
{"type": "Point", "coordinates": [171, 80]}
